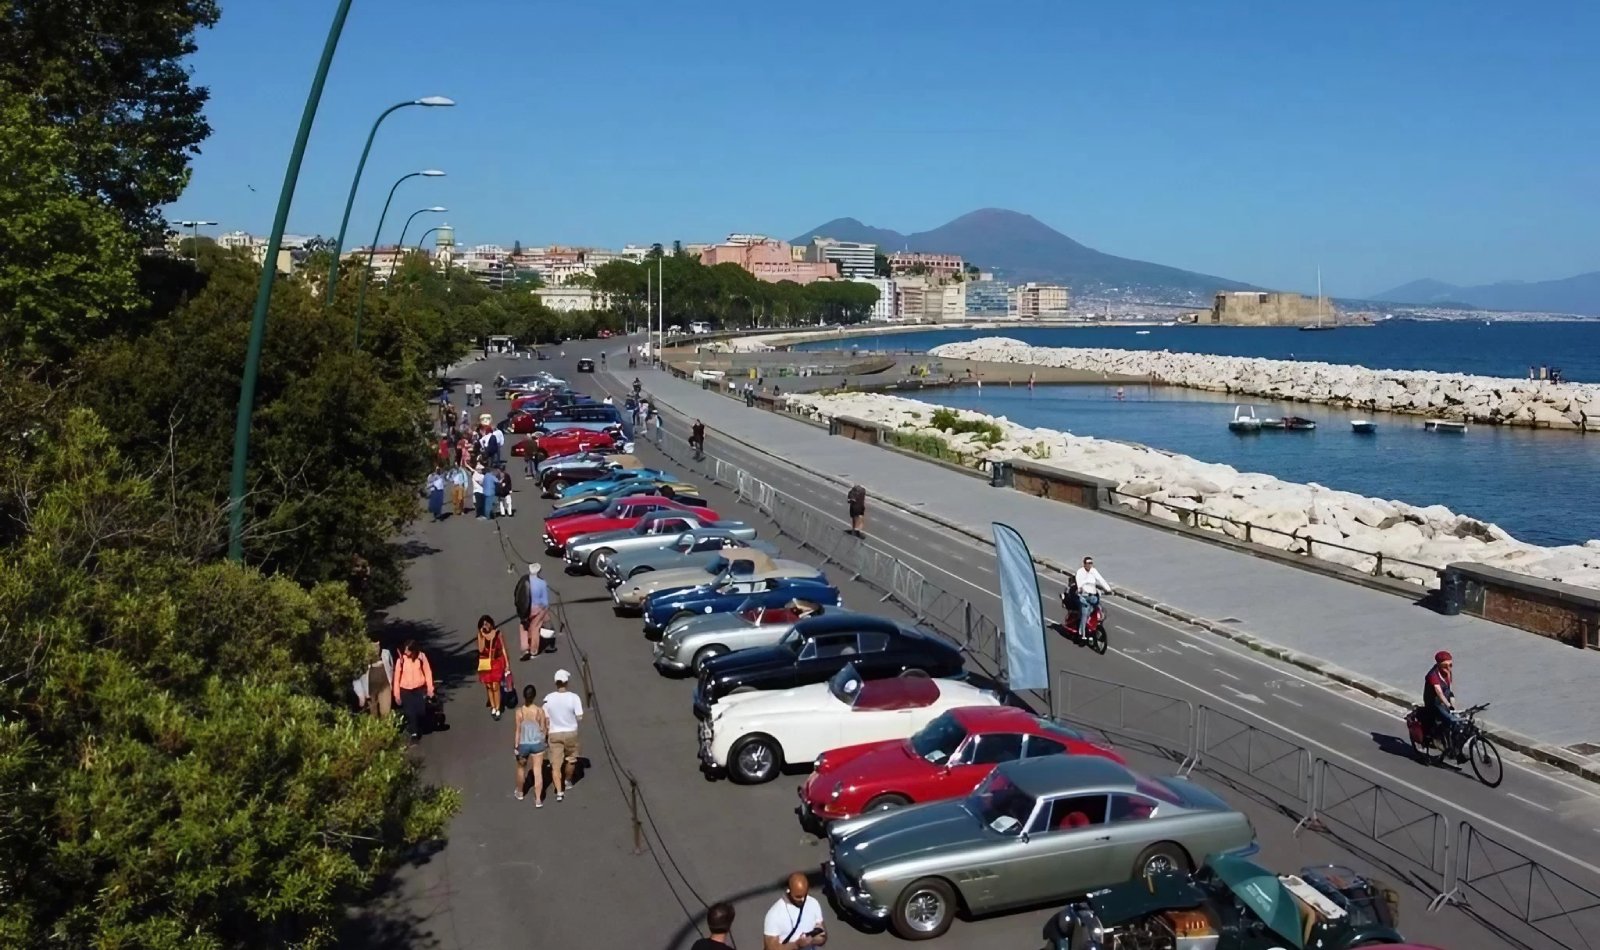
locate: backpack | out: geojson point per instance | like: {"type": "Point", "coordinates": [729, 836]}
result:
{"type": "Point", "coordinates": [857, 496]}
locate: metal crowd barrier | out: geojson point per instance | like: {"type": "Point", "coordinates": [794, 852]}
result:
{"type": "Point", "coordinates": [1561, 909]}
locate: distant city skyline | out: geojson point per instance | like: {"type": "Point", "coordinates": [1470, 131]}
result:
{"type": "Point", "coordinates": [1385, 144]}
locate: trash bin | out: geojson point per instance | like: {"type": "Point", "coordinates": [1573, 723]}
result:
{"type": "Point", "coordinates": [1452, 592]}
{"type": "Point", "coordinates": [1000, 474]}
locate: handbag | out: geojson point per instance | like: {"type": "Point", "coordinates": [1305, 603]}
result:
{"type": "Point", "coordinates": [485, 664]}
{"type": "Point", "coordinates": [508, 690]}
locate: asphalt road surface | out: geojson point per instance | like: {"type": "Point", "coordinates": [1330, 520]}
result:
{"type": "Point", "coordinates": [583, 873]}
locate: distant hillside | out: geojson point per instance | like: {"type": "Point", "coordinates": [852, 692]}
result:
{"type": "Point", "coordinates": [1020, 247]}
{"type": "Point", "coordinates": [1578, 295]}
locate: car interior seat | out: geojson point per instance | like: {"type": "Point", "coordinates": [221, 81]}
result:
{"type": "Point", "coordinates": [1072, 819]}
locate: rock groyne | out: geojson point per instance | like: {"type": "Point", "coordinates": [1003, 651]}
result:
{"type": "Point", "coordinates": [1431, 535]}
{"type": "Point", "coordinates": [1487, 400]}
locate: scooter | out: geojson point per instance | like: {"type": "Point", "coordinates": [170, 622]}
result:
{"type": "Point", "coordinates": [1094, 632]}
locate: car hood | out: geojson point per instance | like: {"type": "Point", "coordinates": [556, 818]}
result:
{"type": "Point", "coordinates": [665, 580]}
{"type": "Point", "coordinates": [885, 760]}
{"type": "Point", "coordinates": [915, 832]}
{"type": "Point", "coordinates": [810, 699]}
{"type": "Point", "coordinates": [616, 534]}
{"type": "Point", "coordinates": [588, 506]}
{"type": "Point", "coordinates": [1131, 900]}
{"type": "Point", "coordinates": [584, 524]}
{"type": "Point", "coordinates": [707, 623]}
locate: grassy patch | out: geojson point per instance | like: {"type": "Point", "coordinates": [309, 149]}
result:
{"type": "Point", "coordinates": [929, 445]}
{"type": "Point", "coordinates": [947, 420]}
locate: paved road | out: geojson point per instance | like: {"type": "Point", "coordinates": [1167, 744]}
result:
{"type": "Point", "coordinates": [567, 874]}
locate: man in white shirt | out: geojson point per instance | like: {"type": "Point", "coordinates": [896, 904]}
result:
{"type": "Point", "coordinates": [795, 920]}
{"type": "Point", "coordinates": [1090, 586]}
{"type": "Point", "coordinates": [565, 711]}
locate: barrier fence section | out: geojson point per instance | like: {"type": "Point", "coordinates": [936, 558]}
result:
{"type": "Point", "coordinates": [1561, 909]}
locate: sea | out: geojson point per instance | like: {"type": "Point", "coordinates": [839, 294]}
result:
{"type": "Point", "coordinates": [1542, 486]}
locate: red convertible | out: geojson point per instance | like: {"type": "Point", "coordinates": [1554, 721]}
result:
{"type": "Point", "coordinates": [562, 442]}
{"type": "Point", "coordinates": [621, 513]}
{"type": "Point", "coordinates": [947, 758]}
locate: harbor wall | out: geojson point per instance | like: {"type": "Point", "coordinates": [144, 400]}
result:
{"type": "Point", "coordinates": [1484, 400]}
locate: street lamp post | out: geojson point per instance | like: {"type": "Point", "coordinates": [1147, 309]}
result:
{"type": "Point", "coordinates": [400, 247]}
{"type": "Point", "coordinates": [344, 223]}
{"type": "Point", "coordinates": [269, 273]}
{"type": "Point", "coordinates": [195, 227]}
{"type": "Point", "coordinates": [366, 278]}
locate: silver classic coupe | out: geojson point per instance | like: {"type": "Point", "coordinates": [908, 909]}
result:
{"type": "Point", "coordinates": [588, 553]}
{"type": "Point", "coordinates": [1037, 831]}
{"type": "Point", "coordinates": [690, 642]}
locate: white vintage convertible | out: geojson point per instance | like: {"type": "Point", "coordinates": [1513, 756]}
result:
{"type": "Point", "coordinates": [751, 735]}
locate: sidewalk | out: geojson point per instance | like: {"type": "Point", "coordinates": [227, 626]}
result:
{"type": "Point", "coordinates": [1542, 690]}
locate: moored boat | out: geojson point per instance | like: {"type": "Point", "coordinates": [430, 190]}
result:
{"type": "Point", "coordinates": [1289, 424]}
{"type": "Point", "coordinates": [1454, 426]}
{"type": "Point", "coordinates": [1244, 420]}
{"type": "Point", "coordinates": [1363, 426]}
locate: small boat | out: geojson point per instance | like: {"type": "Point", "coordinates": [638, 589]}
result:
{"type": "Point", "coordinates": [1363, 426]}
{"type": "Point", "coordinates": [1289, 424]}
{"type": "Point", "coordinates": [1141, 333]}
{"type": "Point", "coordinates": [1453, 426]}
{"type": "Point", "coordinates": [1244, 420]}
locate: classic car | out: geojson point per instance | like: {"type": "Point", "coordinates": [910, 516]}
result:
{"type": "Point", "coordinates": [556, 474]}
{"type": "Point", "coordinates": [946, 759]}
{"type": "Point", "coordinates": [815, 649]}
{"type": "Point", "coordinates": [752, 736]}
{"type": "Point", "coordinates": [621, 513]}
{"type": "Point", "coordinates": [587, 553]}
{"type": "Point", "coordinates": [683, 491]}
{"type": "Point", "coordinates": [565, 442]}
{"type": "Point", "coordinates": [667, 606]}
{"type": "Point", "coordinates": [519, 385]}
{"type": "Point", "coordinates": [586, 365]}
{"type": "Point", "coordinates": [1035, 831]}
{"type": "Point", "coordinates": [688, 643]}
{"type": "Point", "coordinates": [696, 547]}
{"type": "Point", "coordinates": [547, 397]}
{"type": "Point", "coordinates": [746, 564]}
{"type": "Point", "coordinates": [1232, 904]}
{"type": "Point", "coordinates": [595, 418]}
{"type": "Point", "coordinates": [595, 506]}
{"type": "Point", "coordinates": [611, 478]}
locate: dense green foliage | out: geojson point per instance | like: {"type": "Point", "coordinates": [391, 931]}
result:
{"type": "Point", "coordinates": [949, 421]}
{"type": "Point", "coordinates": [729, 297]}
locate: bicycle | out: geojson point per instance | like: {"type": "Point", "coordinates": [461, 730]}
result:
{"type": "Point", "coordinates": [1473, 747]}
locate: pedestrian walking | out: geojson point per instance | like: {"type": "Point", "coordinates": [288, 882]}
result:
{"type": "Point", "coordinates": [856, 497]}
{"type": "Point", "coordinates": [795, 920]}
{"type": "Point", "coordinates": [379, 681]}
{"type": "Point", "coordinates": [565, 711]}
{"type": "Point", "coordinates": [491, 492]}
{"type": "Point", "coordinates": [491, 662]}
{"type": "Point", "coordinates": [719, 920]}
{"type": "Point", "coordinates": [459, 482]}
{"type": "Point", "coordinates": [532, 730]}
{"type": "Point", "coordinates": [436, 493]}
{"type": "Point", "coordinates": [503, 490]}
{"type": "Point", "coordinates": [477, 394]}
{"type": "Point", "coordinates": [477, 490]}
{"type": "Point", "coordinates": [532, 596]}
{"type": "Point", "coordinates": [697, 439]}
{"type": "Point", "coordinates": [655, 418]}
{"type": "Point", "coordinates": [413, 687]}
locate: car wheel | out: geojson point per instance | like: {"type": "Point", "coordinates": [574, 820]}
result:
{"type": "Point", "coordinates": [598, 556]}
{"type": "Point", "coordinates": [558, 486]}
{"type": "Point", "coordinates": [640, 570]}
{"type": "Point", "coordinates": [705, 654]}
{"type": "Point", "coordinates": [924, 910]}
{"type": "Point", "coordinates": [1165, 856]}
{"type": "Point", "coordinates": [886, 802]}
{"type": "Point", "coordinates": [754, 760]}
{"type": "Point", "coordinates": [914, 673]}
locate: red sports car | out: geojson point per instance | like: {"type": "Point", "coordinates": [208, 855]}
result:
{"type": "Point", "coordinates": [562, 442]}
{"type": "Point", "coordinates": [947, 758]}
{"type": "Point", "coordinates": [621, 513]}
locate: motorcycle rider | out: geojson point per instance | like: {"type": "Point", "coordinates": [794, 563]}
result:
{"type": "Point", "coordinates": [1439, 699]}
{"type": "Point", "coordinates": [1090, 585]}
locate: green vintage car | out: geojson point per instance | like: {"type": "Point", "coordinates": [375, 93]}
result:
{"type": "Point", "coordinates": [1232, 904]}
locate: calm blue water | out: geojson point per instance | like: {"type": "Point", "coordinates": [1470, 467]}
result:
{"type": "Point", "coordinates": [1538, 485]}
{"type": "Point", "coordinates": [1496, 349]}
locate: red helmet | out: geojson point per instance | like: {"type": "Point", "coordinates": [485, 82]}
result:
{"type": "Point", "coordinates": [1443, 656]}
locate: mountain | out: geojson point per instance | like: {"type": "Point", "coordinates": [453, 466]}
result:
{"type": "Point", "coordinates": [1020, 247]}
{"type": "Point", "coordinates": [1577, 295]}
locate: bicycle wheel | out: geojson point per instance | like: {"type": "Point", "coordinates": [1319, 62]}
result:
{"type": "Point", "coordinates": [1485, 759]}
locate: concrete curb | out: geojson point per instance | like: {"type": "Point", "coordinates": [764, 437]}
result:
{"type": "Point", "coordinates": [1544, 752]}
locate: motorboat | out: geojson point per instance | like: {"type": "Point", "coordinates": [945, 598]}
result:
{"type": "Point", "coordinates": [1363, 426]}
{"type": "Point", "coordinates": [1289, 424]}
{"type": "Point", "coordinates": [1244, 420]}
{"type": "Point", "coordinates": [1141, 333]}
{"type": "Point", "coordinates": [1452, 426]}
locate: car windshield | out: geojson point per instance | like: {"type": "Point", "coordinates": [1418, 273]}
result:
{"type": "Point", "coordinates": [684, 544]}
{"type": "Point", "coordinates": [1001, 806]}
{"type": "Point", "coordinates": [939, 739]}
{"type": "Point", "coordinates": [719, 566]}
{"type": "Point", "coordinates": [846, 685]}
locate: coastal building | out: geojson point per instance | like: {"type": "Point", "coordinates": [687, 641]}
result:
{"type": "Point", "coordinates": [1038, 300]}
{"type": "Point", "coordinates": [568, 299]}
{"type": "Point", "coordinates": [1255, 309]}
{"type": "Point", "coordinates": [767, 259]}
{"type": "Point", "coordinates": [855, 258]}
{"type": "Point", "coordinates": [952, 302]}
{"type": "Point", "coordinates": [940, 267]}
{"type": "Point", "coordinates": [989, 297]}
{"type": "Point", "coordinates": [884, 310]}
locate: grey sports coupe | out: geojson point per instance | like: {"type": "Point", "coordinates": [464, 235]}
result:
{"type": "Point", "coordinates": [587, 553]}
{"type": "Point", "coordinates": [1036, 831]}
{"type": "Point", "coordinates": [690, 642]}
{"type": "Point", "coordinates": [697, 547]}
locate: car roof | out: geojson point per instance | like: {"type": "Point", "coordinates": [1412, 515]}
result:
{"type": "Point", "coordinates": [1053, 774]}
{"type": "Point", "coordinates": [838, 623]}
{"type": "Point", "coordinates": [995, 718]}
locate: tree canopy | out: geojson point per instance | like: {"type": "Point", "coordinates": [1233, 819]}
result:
{"type": "Point", "coordinates": [728, 296]}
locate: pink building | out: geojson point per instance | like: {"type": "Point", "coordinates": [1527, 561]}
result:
{"type": "Point", "coordinates": [768, 260]}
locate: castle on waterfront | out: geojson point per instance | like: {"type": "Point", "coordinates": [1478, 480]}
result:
{"type": "Point", "coordinates": [1241, 308]}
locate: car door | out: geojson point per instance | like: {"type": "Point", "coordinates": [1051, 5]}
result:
{"type": "Point", "coordinates": [822, 656]}
{"type": "Point", "coordinates": [1130, 831]}
{"type": "Point", "coordinates": [1067, 852]}
{"type": "Point", "coordinates": [873, 657]}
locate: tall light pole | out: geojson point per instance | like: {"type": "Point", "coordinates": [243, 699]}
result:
{"type": "Point", "coordinates": [194, 227]}
{"type": "Point", "coordinates": [401, 245]}
{"type": "Point", "coordinates": [344, 223]}
{"type": "Point", "coordinates": [269, 273]}
{"type": "Point", "coordinates": [366, 277]}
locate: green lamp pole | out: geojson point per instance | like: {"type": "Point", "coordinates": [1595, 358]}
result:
{"type": "Point", "coordinates": [402, 244]}
{"type": "Point", "coordinates": [366, 278]}
{"type": "Point", "coordinates": [269, 273]}
{"type": "Point", "coordinates": [344, 223]}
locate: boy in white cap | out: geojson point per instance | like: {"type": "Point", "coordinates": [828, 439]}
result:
{"type": "Point", "coordinates": [565, 711]}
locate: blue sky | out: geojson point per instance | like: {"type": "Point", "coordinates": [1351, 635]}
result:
{"type": "Point", "coordinates": [1383, 141]}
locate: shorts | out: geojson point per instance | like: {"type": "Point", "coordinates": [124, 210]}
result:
{"type": "Point", "coordinates": [858, 511]}
{"type": "Point", "coordinates": [563, 746]}
{"type": "Point", "coordinates": [525, 749]}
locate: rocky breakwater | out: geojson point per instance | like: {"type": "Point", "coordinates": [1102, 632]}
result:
{"type": "Point", "coordinates": [1486, 400]}
{"type": "Point", "coordinates": [1220, 498]}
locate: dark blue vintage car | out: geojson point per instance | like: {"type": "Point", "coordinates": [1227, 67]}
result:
{"type": "Point", "coordinates": [667, 606]}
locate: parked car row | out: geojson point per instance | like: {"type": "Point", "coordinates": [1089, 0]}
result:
{"type": "Point", "coordinates": [935, 796]}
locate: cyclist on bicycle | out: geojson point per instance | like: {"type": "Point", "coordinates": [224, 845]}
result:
{"type": "Point", "coordinates": [1439, 699]}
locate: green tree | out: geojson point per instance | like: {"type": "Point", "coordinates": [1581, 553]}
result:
{"type": "Point", "coordinates": [109, 77]}
{"type": "Point", "coordinates": [67, 266]}
{"type": "Point", "coordinates": [880, 264]}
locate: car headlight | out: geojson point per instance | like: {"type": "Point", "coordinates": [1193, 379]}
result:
{"type": "Point", "coordinates": [822, 760]}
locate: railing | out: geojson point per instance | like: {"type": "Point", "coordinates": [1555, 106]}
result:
{"type": "Point", "coordinates": [1126, 710]}
{"type": "Point", "coordinates": [1556, 906]}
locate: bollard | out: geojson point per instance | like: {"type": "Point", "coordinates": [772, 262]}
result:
{"type": "Point", "coordinates": [633, 810]}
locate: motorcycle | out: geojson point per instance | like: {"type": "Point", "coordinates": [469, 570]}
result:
{"type": "Point", "coordinates": [1094, 632]}
{"type": "Point", "coordinates": [1433, 746]}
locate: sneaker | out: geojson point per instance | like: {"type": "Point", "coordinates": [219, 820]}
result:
{"type": "Point", "coordinates": [519, 796]}
{"type": "Point", "coordinates": [526, 656]}
{"type": "Point", "coordinates": [560, 796]}
{"type": "Point", "coordinates": [538, 803]}
{"type": "Point", "coordinates": [496, 714]}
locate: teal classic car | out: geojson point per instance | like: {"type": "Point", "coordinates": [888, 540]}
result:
{"type": "Point", "coordinates": [1036, 831]}
{"type": "Point", "coordinates": [1232, 904]}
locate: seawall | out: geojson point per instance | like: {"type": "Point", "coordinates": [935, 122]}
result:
{"type": "Point", "coordinates": [1484, 400]}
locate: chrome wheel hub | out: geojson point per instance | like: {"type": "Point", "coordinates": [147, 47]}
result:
{"type": "Point", "coordinates": [755, 759]}
{"type": "Point", "coordinates": [924, 911]}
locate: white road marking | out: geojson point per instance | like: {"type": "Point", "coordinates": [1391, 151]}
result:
{"type": "Point", "coordinates": [1195, 646]}
{"type": "Point", "coordinates": [1329, 751]}
{"type": "Point", "coordinates": [1224, 673]}
{"type": "Point", "coordinates": [1252, 697]}
{"type": "Point", "coordinates": [1289, 701]}
{"type": "Point", "coordinates": [1365, 732]}
{"type": "Point", "coordinates": [1169, 649]}
{"type": "Point", "coordinates": [1528, 801]}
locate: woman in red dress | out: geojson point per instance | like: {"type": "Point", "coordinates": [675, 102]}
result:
{"type": "Point", "coordinates": [491, 661]}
